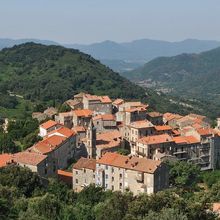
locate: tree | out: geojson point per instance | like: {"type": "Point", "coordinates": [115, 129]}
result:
{"type": "Point", "coordinates": [183, 174]}
{"type": "Point", "coordinates": [21, 178]}
{"type": "Point", "coordinates": [114, 207]}
{"type": "Point", "coordinates": [7, 144]}
{"type": "Point", "coordinates": [47, 206]}
{"type": "Point", "coordinates": [166, 214]}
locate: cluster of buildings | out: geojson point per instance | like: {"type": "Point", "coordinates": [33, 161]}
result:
{"type": "Point", "coordinates": [96, 128]}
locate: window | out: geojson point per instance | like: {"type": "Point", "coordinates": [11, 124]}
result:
{"type": "Point", "coordinates": [84, 170]}
{"type": "Point", "coordinates": [112, 187]}
{"type": "Point", "coordinates": [76, 172]}
{"type": "Point", "coordinates": [106, 167]}
{"type": "Point", "coordinates": [106, 185]}
{"type": "Point", "coordinates": [76, 180]}
{"type": "Point", "coordinates": [120, 185]}
{"type": "Point", "coordinates": [120, 175]}
{"type": "Point", "coordinates": [112, 170]}
{"type": "Point", "coordinates": [112, 179]}
{"type": "Point", "coordinates": [106, 176]}
{"type": "Point", "coordinates": [45, 170]}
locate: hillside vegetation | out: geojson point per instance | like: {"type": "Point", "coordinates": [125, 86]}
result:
{"type": "Point", "coordinates": [53, 74]}
{"type": "Point", "coordinates": [191, 76]}
{"type": "Point", "coordinates": [46, 73]}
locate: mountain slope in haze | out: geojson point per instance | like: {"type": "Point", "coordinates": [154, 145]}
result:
{"type": "Point", "coordinates": [53, 74]}
{"type": "Point", "coordinates": [6, 42]}
{"type": "Point", "coordinates": [139, 52]}
{"type": "Point", "coordinates": [187, 75]}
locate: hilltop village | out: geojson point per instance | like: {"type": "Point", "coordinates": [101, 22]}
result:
{"type": "Point", "coordinates": [117, 145]}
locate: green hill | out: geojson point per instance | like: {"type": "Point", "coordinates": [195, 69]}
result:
{"type": "Point", "coordinates": [46, 73]}
{"type": "Point", "coordinates": [53, 74]}
{"type": "Point", "coordinates": [187, 75]}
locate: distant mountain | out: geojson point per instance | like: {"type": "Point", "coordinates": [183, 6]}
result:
{"type": "Point", "coordinates": [139, 52]}
{"type": "Point", "coordinates": [186, 75]}
{"type": "Point", "coordinates": [6, 42]}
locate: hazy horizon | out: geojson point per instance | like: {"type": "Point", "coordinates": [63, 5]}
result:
{"type": "Point", "coordinates": [86, 22]}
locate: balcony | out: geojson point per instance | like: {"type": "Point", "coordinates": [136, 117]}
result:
{"type": "Point", "coordinates": [180, 152]}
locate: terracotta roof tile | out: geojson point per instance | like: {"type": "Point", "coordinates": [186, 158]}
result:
{"type": "Point", "coordinates": [141, 124]}
{"type": "Point", "coordinates": [118, 102]}
{"type": "Point", "coordinates": [163, 128]}
{"type": "Point", "coordinates": [205, 131]}
{"type": "Point", "coordinates": [47, 145]}
{"type": "Point", "coordinates": [105, 117]}
{"type": "Point", "coordinates": [28, 158]}
{"type": "Point", "coordinates": [103, 99]}
{"type": "Point", "coordinates": [156, 139]}
{"type": "Point", "coordinates": [48, 124]}
{"type": "Point", "coordinates": [83, 113]}
{"type": "Point", "coordinates": [5, 159]}
{"type": "Point", "coordinates": [185, 140]}
{"type": "Point", "coordinates": [131, 163]}
{"type": "Point", "coordinates": [85, 163]}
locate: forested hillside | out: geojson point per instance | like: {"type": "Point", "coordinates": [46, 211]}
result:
{"type": "Point", "coordinates": [53, 74]}
{"type": "Point", "coordinates": [191, 76]}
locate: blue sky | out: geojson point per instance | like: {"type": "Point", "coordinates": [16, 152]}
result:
{"type": "Point", "coordinates": [87, 21]}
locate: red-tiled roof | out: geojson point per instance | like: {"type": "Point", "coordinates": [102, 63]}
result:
{"type": "Point", "coordinates": [28, 158]}
{"type": "Point", "coordinates": [47, 145]}
{"type": "Point", "coordinates": [63, 131]}
{"type": "Point", "coordinates": [131, 163]}
{"type": "Point", "coordinates": [48, 124]}
{"type": "Point", "coordinates": [170, 116]}
{"type": "Point", "coordinates": [141, 124]}
{"type": "Point", "coordinates": [109, 136]}
{"type": "Point", "coordinates": [5, 159]}
{"type": "Point", "coordinates": [118, 102]}
{"type": "Point", "coordinates": [205, 131]}
{"type": "Point", "coordinates": [103, 99]}
{"type": "Point", "coordinates": [85, 163]}
{"type": "Point", "coordinates": [185, 140]}
{"type": "Point", "coordinates": [64, 173]}
{"type": "Point", "coordinates": [105, 117]}
{"type": "Point", "coordinates": [163, 128]}
{"type": "Point", "coordinates": [156, 139]}
{"type": "Point", "coordinates": [66, 177]}
{"type": "Point", "coordinates": [83, 113]}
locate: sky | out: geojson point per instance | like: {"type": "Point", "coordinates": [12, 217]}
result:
{"type": "Point", "coordinates": [88, 21]}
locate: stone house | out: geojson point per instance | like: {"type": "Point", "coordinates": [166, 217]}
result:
{"type": "Point", "coordinates": [47, 127]}
{"type": "Point", "coordinates": [82, 117]}
{"type": "Point", "coordinates": [74, 104]}
{"type": "Point", "coordinates": [109, 141]}
{"type": "Point", "coordinates": [98, 104]}
{"type": "Point", "coordinates": [150, 146]}
{"type": "Point", "coordinates": [83, 173]}
{"type": "Point", "coordinates": [104, 122]}
{"type": "Point", "coordinates": [140, 175]}
{"type": "Point", "coordinates": [155, 118]}
{"type": "Point", "coordinates": [41, 164]}
{"type": "Point", "coordinates": [65, 118]}
{"type": "Point", "coordinates": [58, 145]}
{"type": "Point", "coordinates": [163, 129]}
